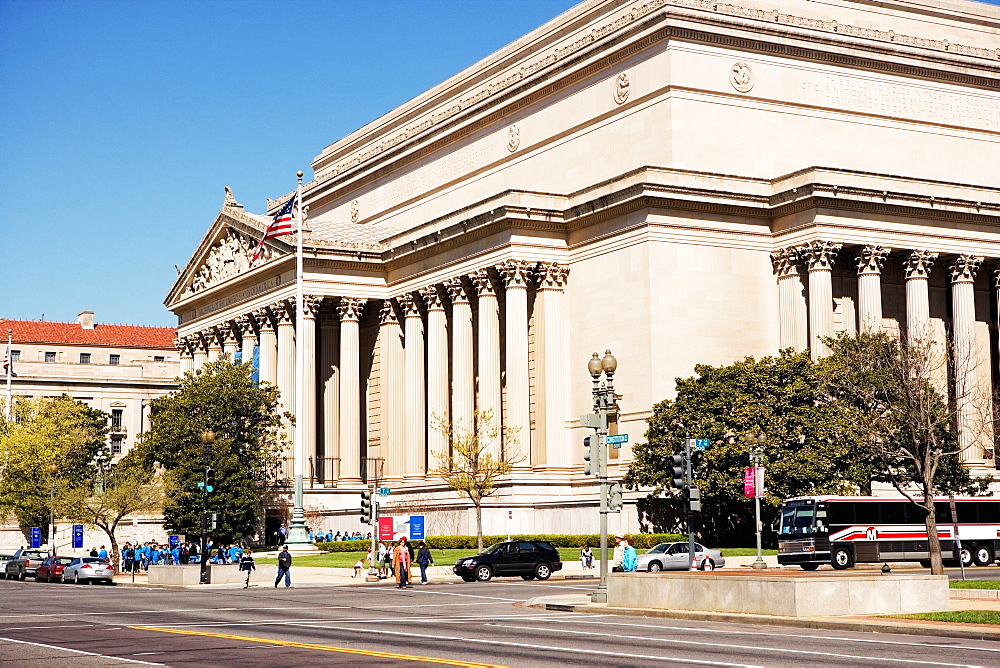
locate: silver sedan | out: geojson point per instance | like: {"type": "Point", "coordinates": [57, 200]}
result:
{"type": "Point", "coordinates": [674, 557]}
{"type": "Point", "coordinates": [88, 569]}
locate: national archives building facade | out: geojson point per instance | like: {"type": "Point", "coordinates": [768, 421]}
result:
{"type": "Point", "coordinates": [679, 181]}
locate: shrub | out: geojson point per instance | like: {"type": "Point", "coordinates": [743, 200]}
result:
{"type": "Point", "coordinates": [639, 541]}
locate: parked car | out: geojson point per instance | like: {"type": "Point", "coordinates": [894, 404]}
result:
{"type": "Point", "coordinates": [24, 563]}
{"type": "Point", "coordinates": [52, 569]}
{"type": "Point", "coordinates": [4, 558]}
{"type": "Point", "coordinates": [88, 569]}
{"type": "Point", "coordinates": [529, 559]}
{"type": "Point", "coordinates": [674, 557]}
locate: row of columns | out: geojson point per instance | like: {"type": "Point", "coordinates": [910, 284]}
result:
{"type": "Point", "coordinates": [428, 365]}
{"type": "Point", "coordinates": [800, 330]}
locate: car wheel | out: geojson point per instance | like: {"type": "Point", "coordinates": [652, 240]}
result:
{"type": "Point", "coordinates": [484, 573]}
{"type": "Point", "coordinates": [76, 578]}
{"type": "Point", "coordinates": [842, 558]}
{"type": "Point", "coordinates": [809, 567]}
{"type": "Point", "coordinates": [708, 565]}
{"type": "Point", "coordinates": [543, 571]}
{"type": "Point", "coordinates": [655, 567]}
{"type": "Point", "coordinates": [983, 556]}
{"type": "Point", "coordinates": [527, 577]}
{"type": "Point", "coordinates": [21, 575]}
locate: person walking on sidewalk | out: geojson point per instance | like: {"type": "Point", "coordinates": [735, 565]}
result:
{"type": "Point", "coordinates": [425, 559]}
{"type": "Point", "coordinates": [284, 567]}
{"type": "Point", "coordinates": [247, 564]}
{"type": "Point", "coordinates": [401, 564]}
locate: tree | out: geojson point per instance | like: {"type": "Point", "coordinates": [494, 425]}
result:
{"type": "Point", "coordinates": [808, 447]}
{"type": "Point", "coordinates": [474, 464]}
{"type": "Point", "coordinates": [908, 425]}
{"type": "Point", "coordinates": [47, 431]}
{"type": "Point", "coordinates": [221, 397]}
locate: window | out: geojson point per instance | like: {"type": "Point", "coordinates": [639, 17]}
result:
{"type": "Point", "coordinates": [114, 359]}
{"type": "Point", "coordinates": [116, 419]}
{"type": "Point", "coordinates": [15, 355]}
{"type": "Point", "coordinates": [84, 358]}
{"type": "Point", "coordinates": [50, 357]}
{"type": "Point", "coordinates": [159, 358]}
{"type": "Point", "coordinates": [116, 445]}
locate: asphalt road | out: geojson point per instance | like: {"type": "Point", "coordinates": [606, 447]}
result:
{"type": "Point", "coordinates": [439, 624]}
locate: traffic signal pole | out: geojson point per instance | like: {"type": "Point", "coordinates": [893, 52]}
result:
{"type": "Point", "coordinates": [690, 485]}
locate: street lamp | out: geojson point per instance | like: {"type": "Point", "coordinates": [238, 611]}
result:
{"type": "Point", "coordinates": [53, 469]}
{"type": "Point", "coordinates": [207, 439]}
{"type": "Point", "coordinates": [756, 461]}
{"type": "Point", "coordinates": [101, 458]}
{"type": "Point", "coordinates": [604, 400]}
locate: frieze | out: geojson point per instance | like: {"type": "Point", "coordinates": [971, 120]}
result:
{"type": "Point", "coordinates": [236, 298]}
{"type": "Point", "coordinates": [229, 257]}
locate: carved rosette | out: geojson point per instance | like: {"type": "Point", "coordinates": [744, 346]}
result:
{"type": "Point", "coordinates": [964, 268]}
{"type": "Point", "coordinates": [411, 304]}
{"type": "Point", "coordinates": [820, 255]}
{"type": "Point", "coordinates": [918, 264]}
{"type": "Point", "coordinates": [284, 311]}
{"type": "Point", "coordinates": [483, 282]}
{"type": "Point", "coordinates": [871, 259]}
{"type": "Point", "coordinates": [785, 262]}
{"type": "Point", "coordinates": [516, 274]}
{"type": "Point", "coordinates": [433, 297]}
{"type": "Point", "coordinates": [457, 291]}
{"type": "Point", "coordinates": [552, 276]}
{"type": "Point", "coordinates": [311, 305]}
{"type": "Point", "coordinates": [350, 309]}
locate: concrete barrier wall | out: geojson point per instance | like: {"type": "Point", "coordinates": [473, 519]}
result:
{"type": "Point", "coordinates": [789, 596]}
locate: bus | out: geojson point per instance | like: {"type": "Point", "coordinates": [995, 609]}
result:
{"type": "Point", "coordinates": [847, 530]}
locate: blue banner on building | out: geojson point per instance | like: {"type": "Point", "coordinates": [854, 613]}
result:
{"type": "Point", "coordinates": [77, 536]}
{"type": "Point", "coordinates": [36, 537]}
{"type": "Point", "coordinates": [416, 527]}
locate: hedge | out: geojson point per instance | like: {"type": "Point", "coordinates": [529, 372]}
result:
{"type": "Point", "coordinates": [639, 541]}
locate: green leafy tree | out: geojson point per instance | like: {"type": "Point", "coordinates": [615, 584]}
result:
{"type": "Point", "coordinates": [57, 431]}
{"type": "Point", "coordinates": [808, 450]}
{"type": "Point", "coordinates": [221, 397]}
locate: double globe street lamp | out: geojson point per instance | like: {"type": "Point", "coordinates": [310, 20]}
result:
{"type": "Point", "coordinates": [604, 401]}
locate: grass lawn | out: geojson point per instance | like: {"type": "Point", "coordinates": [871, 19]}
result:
{"type": "Point", "coordinates": [746, 552]}
{"type": "Point", "coordinates": [974, 584]}
{"type": "Point", "coordinates": [966, 616]}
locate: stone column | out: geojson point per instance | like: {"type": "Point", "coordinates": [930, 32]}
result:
{"type": "Point", "coordinates": [792, 324]}
{"type": "Point", "coordinates": [916, 271]}
{"type": "Point", "coordinates": [350, 389]}
{"type": "Point", "coordinates": [392, 372]}
{"type": "Point", "coordinates": [553, 355]}
{"type": "Point", "coordinates": [489, 352]}
{"type": "Point", "coordinates": [416, 415]}
{"type": "Point", "coordinates": [516, 275]}
{"type": "Point", "coordinates": [248, 338]}
{"type": "Point", "coordinates": [307, 339]}
{"type": "Point", "coordinates": [462, 382]}
{"type": "Point", "coordinates": [963, 325]}
{"type": "Point", "coordinates": [230, 339]}
{"type": "Point", "coordinates": [437, 375]}
{"type": "Point", "coordinates": [199, 353]}
{"type": "Point", "coordinates": [329, 376]}
{"type": "Point", "coordinates": [284, 313]}
{"type": "Point", "coordinates": [870, 262]}
{"type": "Point", "coordinates": [187, 354]}
{"type": "Point", "coordinates": [268, 369]}
{"type": "Point", "coordinates": [214, 346]}
{"type": "Point", "coordinates": [819, 257]}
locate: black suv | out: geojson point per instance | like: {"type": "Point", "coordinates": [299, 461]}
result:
{"type": "Point", "coordinates": [528, 558]}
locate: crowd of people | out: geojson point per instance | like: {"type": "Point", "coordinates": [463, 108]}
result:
{"type": "Point", "coordinates": [330, 537]}
{"type": "Point", "coordinates": [140, 557]}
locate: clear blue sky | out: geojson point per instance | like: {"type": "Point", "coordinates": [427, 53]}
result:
{"type": "Point", "coordinates": [121, 121]}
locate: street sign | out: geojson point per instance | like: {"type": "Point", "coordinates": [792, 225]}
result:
{"type": "Point", "coordinates": [77, 536]}
{"type": "Point", "coordinates": [384, 491]}
{"type": "Point", "coordinates": [36, 537]}
{"type": "Point", "coordinates": [701, 443]}
{"type": "Point", "coordinates": [616, 439]}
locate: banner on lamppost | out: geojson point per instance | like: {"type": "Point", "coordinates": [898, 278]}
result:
{"type": "Point", "coordinates": [753, 482]}
{"type": "Point", "coordinates": [36, 537]}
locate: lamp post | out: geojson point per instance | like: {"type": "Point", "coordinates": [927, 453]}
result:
{"type": "Point", "coordinates": [604, 400]}
{"type": "Point", "coordinates": [53, 469]}
{"type": "Point", "coordinates": [207, 439]}
{"type": "Point", "coordinates": [756, 461]}
{"type": "Point", "coordinates": [101, 458]}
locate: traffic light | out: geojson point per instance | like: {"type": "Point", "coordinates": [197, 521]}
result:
{"type": "Point", "coordinates": [209, 480]}
{"type": "Point", "coordinates": [366, 507]}
{"type": "Point", "coordinates": [588, 464]}
{"type": "Point", "coordinates": [615, 501]}
{"type": "Point", "coordinates": [679, 472]}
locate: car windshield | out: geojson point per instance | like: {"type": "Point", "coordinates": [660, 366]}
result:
{"type": "Point", "coordinates": [30, 554]}
{"type": "Point", "coordinates": [493, 549]}
{"type": "Point", "coordinates": [656, 549]}
{"type": "Point", "coordinates": [62, 561]}
{"type": "Point", "coordinates": [93, 560]}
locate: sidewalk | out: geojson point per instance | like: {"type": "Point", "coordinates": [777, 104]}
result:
{"type": "Point", "coordinates": [581, 603]}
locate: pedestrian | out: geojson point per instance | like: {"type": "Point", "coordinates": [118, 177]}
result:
{"type": "Point", "coordinates": [247, 564]}
{"type": "Point", "coordinates": [401, 564]}
{"type": "Point", "coordinates": [93, 551]}
{"type": "Point", "coordinates": [357, 567]}
{"type": "Point", "coordinates": [629, 559]}
{"type": "Point", "coordinates": [284, 567]}
{"type": "Point", "coordinates": [383, 558]}
{"type": "Point", "coordinates": [616, 562]}
{"type": "Point", "coordinates": [128, 554]}
{"type": "Point", "coordinates": [586, 557]}
{"type": "Point", "coordinates": [425, 559]}
{"type": "Point", "coordinates": [102, 553]}
{"type": "Point", "coordinates": [282, 534]}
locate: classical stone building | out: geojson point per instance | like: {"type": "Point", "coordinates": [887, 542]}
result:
{"type": "Point", "coordinates": [680, 181]}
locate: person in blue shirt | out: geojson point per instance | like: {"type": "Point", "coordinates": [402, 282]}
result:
{"type": "Point", "coordinates": [175, 554]}
{"type": "Point", "coordinates": [103, 553]}
{"type": "Point", "coordinates": [154, 555]}
{"type": "Point", "coordinates": [235, 554]}
{"type": "Point", "coordinates": [630, 559]}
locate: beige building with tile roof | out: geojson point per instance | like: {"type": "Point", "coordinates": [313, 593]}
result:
{"type": "Point", "coordinates": [681, 181]}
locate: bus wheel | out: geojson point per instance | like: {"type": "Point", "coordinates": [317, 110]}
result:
{"type": "Point", "coordinates": [983, 555]}
{"type": "Point", "coordinates": [809, 567]}
{"type": "Point", "coordinates": [925, 563]}
{"type": "Point", "coordinates": [841, 558]}
{"type": "Point", "coordinates": [966, 556]}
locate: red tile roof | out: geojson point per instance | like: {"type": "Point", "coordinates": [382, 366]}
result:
{"type": "Point", "coordinates": [122, 336]}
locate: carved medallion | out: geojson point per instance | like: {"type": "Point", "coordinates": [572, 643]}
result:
{"type": "Point", "coordinates": [622, 87]}
{"type": "Point", "coordinates": [354, 211]}
{"type": "Point", "coordinates": [741, 76]}
{"type": "Point", "coordinates": [513, 138]}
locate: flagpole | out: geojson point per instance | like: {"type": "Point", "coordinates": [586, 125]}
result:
{"type": "Point", "coordinates": [297, 534]}
{"type": "Point", "coordinates": [10, 374]}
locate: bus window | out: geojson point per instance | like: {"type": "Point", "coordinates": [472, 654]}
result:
{"type": "Point", "coordinates": [894, 513]}
{"type": "Point", "coordinates": [968, 512]}
{"type": "Point", "coordinates": [797, 519]}
{"type": "Point", "coordinates": [840, 514]}
{"type": "Point", "coordinates": [866, 513]}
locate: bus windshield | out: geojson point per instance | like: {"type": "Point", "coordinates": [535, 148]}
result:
{"type": "Point", "coordinates": [797, 517]}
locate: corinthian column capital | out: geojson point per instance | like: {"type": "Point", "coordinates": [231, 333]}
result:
{"type": "Point", "coordinates": [516, 273]}
{"type": "Point", "coordinates": [411, 304]}
{"type": "Point", "coordinates": [871, 259]}
{"type": "Point", "coordinates": [263, 318]}
{"type": "Point", "coordinates": [457, 291]}
{"type": "Point", "coordinates": [483, 282]}
{"type": "Point", "coordinates": [918, 264]}
{"type": "Point", "coordinates": [433, 297]}
{"type": "Point", "coordinates": [350, 309]}
{"type": "Point", "coordinates": [785, 262]}
{"type": "Point", "coordinates": [964, 268]}
{"type": "Point", "coordinates": [820, 255]}
{"type": "Point", "coordinates": [552, 276]}
{"type": "Point", "coordinates": [387, 315]}
{"type": "Point", "coordinates": [310, 305]}
{"type": "Point", "coordinates": [284, 311]}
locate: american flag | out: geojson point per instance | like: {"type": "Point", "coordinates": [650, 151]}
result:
{"type": "Point", "coordinates": [8, 366]}
{"type": "Point", "coordinates": [280, 225]}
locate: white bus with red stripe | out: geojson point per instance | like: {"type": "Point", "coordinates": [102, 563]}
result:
{"type": "Point", "coordinates": [845, 530]}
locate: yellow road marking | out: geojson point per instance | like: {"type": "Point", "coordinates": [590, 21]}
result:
{"type": "Point", "coordinates": [324, 648]}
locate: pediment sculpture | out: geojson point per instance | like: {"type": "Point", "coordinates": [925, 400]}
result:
{"type": "Point", "coordinates": [227, 258]}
